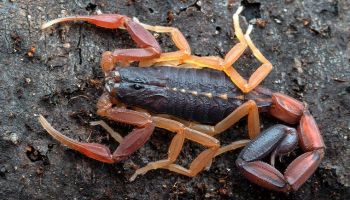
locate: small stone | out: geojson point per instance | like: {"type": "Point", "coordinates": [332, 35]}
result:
{"type": "Point", "coordinates": [13, 137]}
{"type": "Point", "coordinates": [40, 171]}
{"type": "Point", "coordinates": [66, 45]}
{"type": "Point", "coordinates": [31, 52]}
{"type": "Point", "coordinates": [28, 80]}
{"type": "Point", "coordinates": [222, 181]}
{"type": "Point", "coordinates": [261, 23]}
{"type": "Point", "coordinates": [278, 21]}
{"type": "Point", "coordinates": [3, 171]}
{"type": "Point", "coordinates": [98, 11]}
{"type": "Point", "coordinates": [50, 146]}
{"type": "Point", "coordinates": [223, 192]}
{"type": "Point", "coordinates": [156, 35]}
{"type": "Point", "coordinates": [306, 22]}
{"type": "Point", "coordinates": [297, 65]}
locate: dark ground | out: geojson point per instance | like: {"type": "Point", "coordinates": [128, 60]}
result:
{"type": "Point", "coordinates": [307, 42]}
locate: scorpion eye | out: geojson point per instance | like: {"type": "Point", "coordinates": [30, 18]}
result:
{"type": "Point", "coordinates": [137, 86]}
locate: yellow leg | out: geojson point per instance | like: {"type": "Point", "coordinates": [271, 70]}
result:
{"type": "Point", "coordinates": [233, 55]}
{"type": "Point", "coordinates": [182, 56]}
{"type": "Point", "coordinates": [179, 41]}
{"type": "Point", "coordinates": [119, 138]}
{"type": "Point", "coordinates": [232, 146]}
{"type": "Point", "coordinates": [182, 133]}
{"type": "Point", "coordinates": [195, 132]}
{"type": "Point", "coordinates": [248, 108]}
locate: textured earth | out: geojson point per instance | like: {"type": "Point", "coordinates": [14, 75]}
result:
{"type": "Point", "coordinates": [56, 73]}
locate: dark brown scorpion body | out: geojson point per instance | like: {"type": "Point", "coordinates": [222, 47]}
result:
{"type": "Point", "coordinates": [202, 95]}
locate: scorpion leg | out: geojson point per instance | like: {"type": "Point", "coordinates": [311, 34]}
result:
{"type": "Point", "coordinates": [232, 56]}
{"type": "Point", "coordinates": [262, 71]}
{"type": "Point", "coordinates": [249, 108]}
{"type": "Point", "coordinates": [260, 74]}
{"type": "Point", "coordinates": [169, 57]}
{"type": "Point", "coordinates": [183, 56]}
{"type": "Point", "coordinates": [182, 133]}
{"type": "Point", "coordinates": [173, 151]}
{"type": "Point", "coordinates": [132, 142]}
{"type": "Point", "coordinates": [104, 125]}
{"type": "Point", "coordinates": [149, 47]}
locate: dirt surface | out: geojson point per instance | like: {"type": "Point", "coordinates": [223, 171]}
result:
{"type": "Point", "coordinates": [56, 73]}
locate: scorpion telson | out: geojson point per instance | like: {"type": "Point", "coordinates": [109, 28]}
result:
{"type": "Point", "coordinates": [196, 104]}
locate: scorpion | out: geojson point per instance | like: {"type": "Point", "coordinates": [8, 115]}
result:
{"type": "Point", "coordinates": [196, 98]}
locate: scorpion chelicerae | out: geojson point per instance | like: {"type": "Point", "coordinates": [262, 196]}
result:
{"type": "Point", "coordinates": [197, 103]}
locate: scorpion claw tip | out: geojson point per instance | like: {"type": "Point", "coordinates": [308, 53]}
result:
{"type": "Point", "coordinates": [52, 22]}
{"type": "Point", "coordinates": [133, 177]}
{"type": "Point", "coordinates": [44, 26]}
{"type": "Point", "coordinates": [250, 29]}
{"type": "Point", "coordinates": [239, 10]}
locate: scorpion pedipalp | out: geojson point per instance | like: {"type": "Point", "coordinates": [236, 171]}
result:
{"type": "Point", "coordinates": [148, 45]}
{"type": "Point", "coordinates": [277, 138]}
{"type": "Point", "coordinates": [143, 123]}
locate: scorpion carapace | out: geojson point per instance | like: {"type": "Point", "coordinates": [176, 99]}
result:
{"type": "Point", "coordinates": [196, 104]}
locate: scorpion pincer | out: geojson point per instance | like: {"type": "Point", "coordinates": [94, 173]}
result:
{"type": "Point", "coordinates": [196, 104]}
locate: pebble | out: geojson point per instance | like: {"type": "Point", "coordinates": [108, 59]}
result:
{"type": "Point", "coordinates": [28, 80]}
{"type": "Point", "coordinates": [278, 21]}
{"type": "Point", "coordinates": [298, 65]}
{"type": "Point", "coordinates": [13, 137]}
{"type": "Point", "coordinates": [66, 45]}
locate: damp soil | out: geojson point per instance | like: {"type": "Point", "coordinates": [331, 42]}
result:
{"type": "Point", "coordinates": [56, 73]}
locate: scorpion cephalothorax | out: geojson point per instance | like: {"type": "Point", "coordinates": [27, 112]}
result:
{"type": "Point", "coordinates": [197, 104]}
